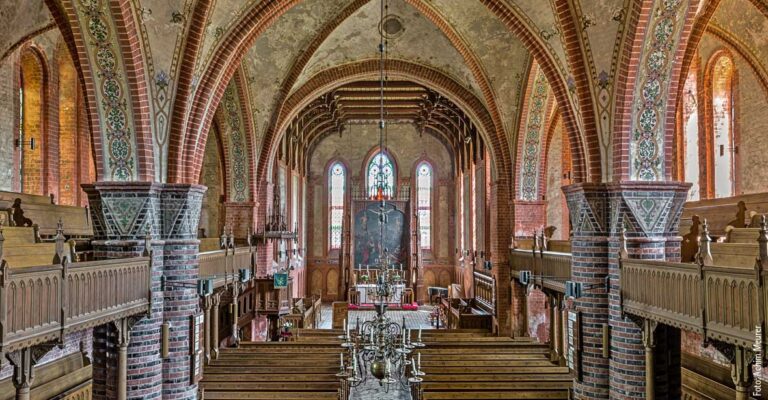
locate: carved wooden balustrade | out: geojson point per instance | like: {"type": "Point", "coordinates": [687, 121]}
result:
{"type": "Point", "coordinates": [485, 291]}
{"type": "Point", "coordinates": [223, 265]}
{"type": "Point", "coordinates": [722, 302]}
{"type": "Point", "coordinates": [549, 269]}
{"type": "Point", "coordinates": [43, 303]}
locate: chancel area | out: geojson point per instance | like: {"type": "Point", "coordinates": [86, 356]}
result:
{"type": "Point", "coordinates": [383, 199]}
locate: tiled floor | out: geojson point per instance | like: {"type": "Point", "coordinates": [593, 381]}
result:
{"type": "Point", "coordinates": [413, 319]}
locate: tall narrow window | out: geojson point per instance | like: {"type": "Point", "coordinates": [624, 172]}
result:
{"type": "Point", "coordinates": [424, 203]}
{"type": "Point", "coordinates": [691, 134]}
{"type": "Point", "coordinates": [336, 187]}
{"type": "Point", "coordinates": [381, 174]}
{"type": "Point", "coordinates": [722, 124]}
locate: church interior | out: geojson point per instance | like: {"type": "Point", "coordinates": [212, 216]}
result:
{"type": "Point", "coordinates": [383, 199]}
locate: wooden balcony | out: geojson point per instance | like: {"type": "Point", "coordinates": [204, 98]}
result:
{"type": "Point", "coordinates": [549, 269]}
{"type": "Point", "coordinates": [721, 303]}
{"type": "Point", "coordinates": [41, 304]}
{"type": "Point", "coordinates": [224, 265]}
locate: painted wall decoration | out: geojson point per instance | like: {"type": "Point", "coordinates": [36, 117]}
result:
{"type": "Point", "coordinates": [117, 130]}
{"type": "Point", "coordinates": [367, 246]}
{"type": "Point", "coordinates": [537, 106]}
{"type": "Point", "coordinates": [237, 147]}
{"type": "Point", "coordinates": [648, 130]}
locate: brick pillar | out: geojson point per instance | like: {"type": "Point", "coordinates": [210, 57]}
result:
{"type": "Point", "coordinates": [239, 217]}
{"type": "Point", "coordinates": [501, 214]}
{"type": "Point", "coordinates": [519, 311]}
{"type": "Point", "coordinates": [123, 214]}
{"type": "Point", "coordinates": [264, 250]}
{"type": "Point", "coordinates": [530, 216]}
{"type": "Point", "coordinates": [651, 213]}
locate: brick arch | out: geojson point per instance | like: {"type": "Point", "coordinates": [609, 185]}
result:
{"type": "Point", "coordinates": [426, 76]}
{"type": "Point", "coordinates": [65, 14]}
{"type": "Point", "coordinates": [257, 19]}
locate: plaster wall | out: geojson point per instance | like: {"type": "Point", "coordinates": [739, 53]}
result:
{"type": "Point", "coordinates": [353, 149]}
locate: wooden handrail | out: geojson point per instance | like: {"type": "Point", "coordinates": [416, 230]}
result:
{"type": "Point", "coordinates": [485, 291]}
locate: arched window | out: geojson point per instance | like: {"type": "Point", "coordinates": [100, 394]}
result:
{"type": "Point", "coordinates": [31, 101]}
{"type": "Point", "coordinates": [691, 136]}
{"type": "Point", "coordinates": [424, 204]}
{"type": "Point", "coordinates": [722, 126]}
{"type": "Point", "coordinates": [381, 173]}
{"type": "Point", "coordinates": [336, 188]}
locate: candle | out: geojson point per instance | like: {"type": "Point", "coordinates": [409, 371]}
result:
{"type": "Point", "coordinates": [418, 359]}
{"type": "Point", "coordinates": [403, 337]}
{"type": "Point", "coordinates": [408, 336]}
{"type": "Point", "coordinates": [344, 326]}
{"type": "Point", "coordinates": [341, 359]}
{"type": "Point", "coordinates": [414, 368]}
{"type": "Point", "coordinates": [419, 334]}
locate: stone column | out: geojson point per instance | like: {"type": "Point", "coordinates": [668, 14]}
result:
{"type": "Point", "coordinates": [553, 306]}
{"type": "Point", "coordinates": [123, 213]}
{"type": "Point", "coordinates": [207, 303]}
{"type": "Point", "coordinates": [519, 304]}
{"type": "Point", "coordinates": [24, 362]}
{"type": "Point", "coordinates": [650, 211]}
{"type": "Point", "coordinates": [123, 333]}
{"type": "Point", "coordinates": [649, 342]}
{"type": "Point", "coordinates": [215, 303]}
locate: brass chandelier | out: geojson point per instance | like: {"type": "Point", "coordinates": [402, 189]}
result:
{"type": "Point", "coordinates": [380, 348]}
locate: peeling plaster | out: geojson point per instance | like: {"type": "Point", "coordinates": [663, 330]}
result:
{"type": "Point", "coordinates": [422, 42]}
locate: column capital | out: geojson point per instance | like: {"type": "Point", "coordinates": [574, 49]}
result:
{"type": "Point", "coordinates": [128, 210]}
{"type": "Point", "coordinates": [645, 209]}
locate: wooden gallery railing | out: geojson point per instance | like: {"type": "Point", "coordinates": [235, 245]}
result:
{"type": "Point", "coordinates": [40, 304]}
{"type": "Point", "coordinates": [725, 303]}
{"type": "Point", "coordinates": [227, 276]}
{"type": "Point", "coordinates": [485, 291]}
{"type": "Point", "coordinates": [548, 269]}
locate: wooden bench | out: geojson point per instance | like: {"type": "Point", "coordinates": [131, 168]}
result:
{"type": "Point", "coordinates": [55, 380]}
{"type": "Point", "coordinates": [46, 215]}
{"type": "Point", "coordinates": [499, 368]}
{"type": "Point", "coordinates": [20, 248]}
{"type": "Point", "coordinates": [275, 370]}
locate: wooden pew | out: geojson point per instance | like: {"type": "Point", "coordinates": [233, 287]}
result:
{"type": "Point", "coordinates": [20, 248]}
{"type": "Point", "coordinates": [59, 379]}
{"type": "Point", "coordinates": [722, 212]}
{"type": "Point", "coordinates": [46, 215]}
{"type": "Point", "coordinates": [275, 370]}
{"type": "Point", "coordinates": [497, 368]}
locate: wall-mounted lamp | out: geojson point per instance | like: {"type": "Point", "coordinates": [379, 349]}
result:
{"type": "Point", "coordinates": [31, 143]}
{"type": "Point", "coordinates": [244, 275]}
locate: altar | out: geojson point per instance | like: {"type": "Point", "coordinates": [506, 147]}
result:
{"type": "Point", "coordinates": [368, 293]}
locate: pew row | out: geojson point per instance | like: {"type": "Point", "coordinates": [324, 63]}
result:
{"type": "Point", "coordinates": [66, 378]}
{"type": "Point", "coordinates": [47, 215]}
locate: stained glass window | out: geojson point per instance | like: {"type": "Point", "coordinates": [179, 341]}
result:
{"type": "Point", "coordinates": [424, 201]}
{"type": "Point", "coordinates": [381, 172]}
{"type": "Point", "coordinates": [336, 188]}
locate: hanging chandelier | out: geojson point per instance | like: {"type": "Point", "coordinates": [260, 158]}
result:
{"type": "Point", "coordinates": [380, 348]}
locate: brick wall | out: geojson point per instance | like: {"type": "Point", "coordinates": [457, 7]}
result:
{"type": "Point", "coordinates": [33, 87]}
